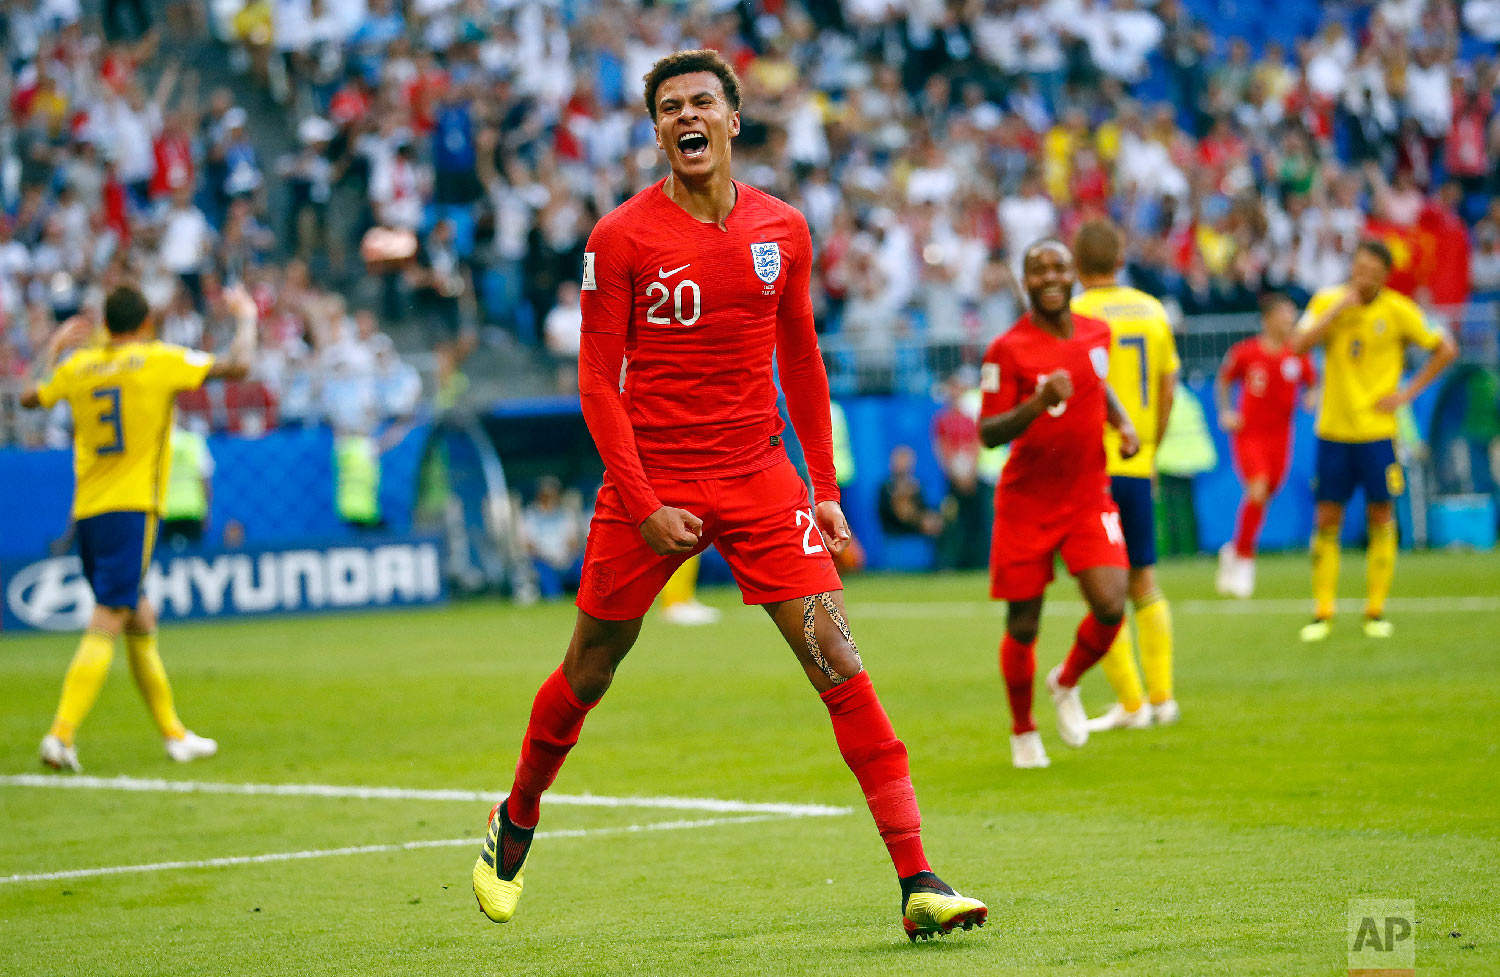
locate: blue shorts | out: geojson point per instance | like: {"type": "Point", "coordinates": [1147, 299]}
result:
{"type": "Point", "coordinates": [1371, 465]}
{"type": "Point", "coordinates": [1137, 505]}
{"type": "Point", "coordinates": [116, 549]}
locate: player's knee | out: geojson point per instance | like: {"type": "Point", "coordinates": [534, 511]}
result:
{"type": "Point", "coordinates": [842, 659]}
{"type": "Point", "coordinates": [1108, 608]}
{"type": "Point", "coordinates": [1110, 612]}
{"type": "Point", "coordinates": [1022, 629]}
{"type": "Point", "coordinates": [590, 669]}
{"type": "Point", "coordinates": [1380, 513]}
{"type": "Point", "coordinates": [1258, 491]}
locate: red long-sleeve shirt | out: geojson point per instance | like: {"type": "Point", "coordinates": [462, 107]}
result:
{"type": "Point", "coordinates": [695, 314]}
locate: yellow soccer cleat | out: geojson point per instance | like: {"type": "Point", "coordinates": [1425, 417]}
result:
{"type": "Point", "coordinates": [932, 908]}
{"type": "Point", "coordinates": [1317, 630]}
{"type": "Point", "coordinates": [1378, 627]}
{"type": "Point", "coordinates": [498, 877]}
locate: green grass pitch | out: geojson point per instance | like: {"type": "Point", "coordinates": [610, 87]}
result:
{"type": "Point", "coordinates": [1300, 778]}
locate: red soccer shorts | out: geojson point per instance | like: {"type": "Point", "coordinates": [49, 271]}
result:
{"type": "Point", "coordinates": [762, 523]}
{"type": "Point", "coordinates": [1262, 456]}
{"type": "Point", "coordinates": [1021, 554]}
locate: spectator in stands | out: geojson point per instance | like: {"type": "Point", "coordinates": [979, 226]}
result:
{"type": "Point", "coordinates": [964, 543]}
{"type": "Point", "coordinates": [552, 526]}
{"type": "Point", "coordinates": [398, 386]}
{"type": "Point", "coordinates": [1486, 261]}
{"type": "Point", "coordinates": [903, 509]}
{"type": "Point", "coordinates": [187, 242]}
{"type": "Point", "coordinates": [1026, 218]}
{"type": "Point", "coordinates": [564, 334]}
{"type": "Point", "coordinates": [440, 281]}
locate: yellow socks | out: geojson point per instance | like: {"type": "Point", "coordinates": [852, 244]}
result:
{"type": "Point", "coordinates": [1153, 619]}
{"type": "Point", "coordinates": [146, 666]}
{"type": "Point", "coordinates": [683, 584]}
{"type": "Point", "coordinates": [1380, 567]}
{"type": "Point", "coordinates": [86, 675]}
{"type": "Point", "coordinates": [1325, 570]}
{"type": "Point", "coordinates": [1118, 665]}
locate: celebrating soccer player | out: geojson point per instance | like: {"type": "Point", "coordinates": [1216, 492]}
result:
{"type": "Point", "coordinates": [1365, 329]}
{"type": "Point", "coordinates": [695, 282]}
{"type": "Point", "coordinates": [1270, 375]}
{"type": "Point", "coordinates": [121, 396]}
{"type": "Point", "coordinates": [1045, 394]}
{"type": "Point", "coordinates": [1143, 369]}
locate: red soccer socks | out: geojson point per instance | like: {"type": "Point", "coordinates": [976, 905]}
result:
{"type": "Point", "coordinates": [1247, 528]}
{"type": "Point", "coordinates": [556, 718]}
{"type": "Point", "coordinates": [1092, 641]}
{"type": "Point", "coordinates": [1018, 669]}
{"type": "Point", "coordinates": [878, 760]}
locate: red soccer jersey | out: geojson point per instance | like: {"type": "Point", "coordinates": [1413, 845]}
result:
{"type": "Point", "coordinates": [1057, 465]}
{"type": "Point", "coordinates": [1270, 381]}
{"type": "Point", "coordinates": [699, 312]}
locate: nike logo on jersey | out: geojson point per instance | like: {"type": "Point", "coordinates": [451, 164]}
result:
{"type": "Point", "coordinates": [663, 273]}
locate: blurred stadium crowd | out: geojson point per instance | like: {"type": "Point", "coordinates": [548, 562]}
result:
{"type": "Point", "coordinates": [433, 168]}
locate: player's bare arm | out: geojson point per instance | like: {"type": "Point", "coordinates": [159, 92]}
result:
{"type": "Point", "coordinates": [1229, 418]}
{"type": "Point", "coordinates": [999, 429]}
{"type": "Point", "coordinates": [1438, 360]}
{"type": "Point", "coordinates": [1166, 395]}
{"type": "Point", "coordinates": [236, 366]}
{"type": "Point", "coordinates": [72, 333]}
{"type": "Point", "coordinates": [1130, 441]}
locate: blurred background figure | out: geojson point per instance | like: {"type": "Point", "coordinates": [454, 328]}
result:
{"type": "Point", "coordinates": [189, 493]}
{"type": "Point", "coordinates": [553, 530]}
{"type": "Point", "coordinates": [904, 510]}
{"type": "Point", "coordinates": [679, 598]}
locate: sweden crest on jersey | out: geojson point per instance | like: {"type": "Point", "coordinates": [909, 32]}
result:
{"type": "Point", "coordinates": [767, 257]}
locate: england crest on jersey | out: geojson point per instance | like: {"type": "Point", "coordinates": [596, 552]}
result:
{"type": "Point", "coordinates": [1099, 357]}
{"type": "Point", "coordinates": [767, 256]}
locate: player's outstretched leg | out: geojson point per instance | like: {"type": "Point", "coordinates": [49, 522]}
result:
{"type": "Point", "coordinates": [1104, 589]}
{"type": "Point", "coordinates": [81, 685]}
{"type": "Point", "coordinates": [182, 744]}
{"type": "Point", "coordinates": [818, 632]}
{"type": "Point", "coordinates": [557, 715]}
{"type": "Point", "coordinates": [1018, 671]}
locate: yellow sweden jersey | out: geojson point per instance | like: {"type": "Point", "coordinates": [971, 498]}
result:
{"type": "Point", "coordinates": [1141, 352]}
{"type": "Point", "coordinates": [122, 398]}
{"type": "Point", "coordinates": [1365, 350]}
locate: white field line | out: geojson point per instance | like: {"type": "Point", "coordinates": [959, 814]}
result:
{"type": "Point", "coordinates": [294, 856]}
{"type": "Point", "coordinates": [939, 609]}
{"type": "Point", "coordinates": [709, 804]}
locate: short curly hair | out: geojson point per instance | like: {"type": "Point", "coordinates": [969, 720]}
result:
{"type": "Point", "coordinates": [687, 63]}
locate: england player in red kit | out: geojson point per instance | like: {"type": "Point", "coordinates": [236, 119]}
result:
{"type": "Point", "coordinates": [1271, 376]}
{"type": "Point", "coordinates": [1045, 394]}
{"type": "Point", "coordinates": [692, 285]}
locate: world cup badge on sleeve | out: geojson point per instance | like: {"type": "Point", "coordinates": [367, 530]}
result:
{"type": "Point", "coordinates": [1099, 356]}
{"type": "Point", "coordinates": [767, 256]}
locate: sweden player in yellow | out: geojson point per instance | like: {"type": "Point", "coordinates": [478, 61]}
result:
{"type": "Point", "coordinates": [121, 394]}
{"type": "Point", "coordinates": [1143, 369]}
{"type": "Point", "coordinates": [1364, 329]}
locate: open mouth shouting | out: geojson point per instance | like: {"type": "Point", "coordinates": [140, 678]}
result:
{"type": "Point", "coordinates": [692, 145]}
